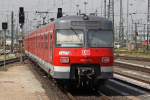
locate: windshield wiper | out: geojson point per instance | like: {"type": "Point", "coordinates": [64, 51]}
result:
{"type": "Point", "coordinates": [76, 34]}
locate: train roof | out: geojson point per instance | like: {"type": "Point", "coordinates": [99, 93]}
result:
{"type": "Point", "coordinates": [80, 18]}
{"type": "Point", "coordinates": [94, 22]}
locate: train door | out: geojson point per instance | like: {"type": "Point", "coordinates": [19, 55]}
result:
{"type": "Point", "coordinates": [46, 46]}
{"type": "Point", "coordinates": [51, 47]}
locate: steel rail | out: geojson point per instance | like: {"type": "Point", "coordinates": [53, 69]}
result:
{"type": "Point", "coordinates": [132, 77]}
{"type": "Point", "coordinates": [103, 96]}
{"type": "Point", "coordinates": [136, 67]}
{"type": "Point", "coordinates": [141, 80]}
{"type": "Point", "coordinates": [9, 61]}
{"type": "Point", "coordinates": [134, 58]}
{"type": "Point", "coordinates": [127, 90]}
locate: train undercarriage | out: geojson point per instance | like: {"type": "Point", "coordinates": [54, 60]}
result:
{"type": "Point", "coordinates": [84, 76]}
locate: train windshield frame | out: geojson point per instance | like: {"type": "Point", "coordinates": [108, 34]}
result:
{"type": "Point", "coordinates": [70, 38]}
{"type": "Point", "coordinates": [100, 38]}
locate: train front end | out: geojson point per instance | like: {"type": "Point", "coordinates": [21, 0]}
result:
{"type": "Point", "coordinates": [83, 49]}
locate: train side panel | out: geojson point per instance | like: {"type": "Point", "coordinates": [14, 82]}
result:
{"type": "Point", "coordinates": [38, 47]}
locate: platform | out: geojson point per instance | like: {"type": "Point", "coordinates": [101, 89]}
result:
{"type": "Point", "coordinates": [19, 83]}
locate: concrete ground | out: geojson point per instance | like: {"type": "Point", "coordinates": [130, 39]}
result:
{"type": "Point", "coordinates": [19, 83]}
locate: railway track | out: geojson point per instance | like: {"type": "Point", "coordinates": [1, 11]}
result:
{"type": "Point", "coordinates": [79, 94]}
{"type": "Point", "coordinates": [12, 60]}
{"type": "Point", "coordinates": [134, 58]}
{"type": "Point", "coordinates": [127, 91]}
{"type": "Point", "coordinates": [9, 61]}
{"type": "Point", "coordinates": [133, 76]}
{"type": "Point", "coordinates": [137, 67]}
{"type": "Point", "coordinates": [133, 73]}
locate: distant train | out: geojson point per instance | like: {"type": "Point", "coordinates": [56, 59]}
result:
{"type": "Point", "coordinates": [145, 43]}
{"type": "Point", "coordinates": [74, 49]}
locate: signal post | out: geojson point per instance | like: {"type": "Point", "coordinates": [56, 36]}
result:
{"type": "Point", "coordinates": [4, 27]}
{"type": "Point", "coordinates": [21, 23]}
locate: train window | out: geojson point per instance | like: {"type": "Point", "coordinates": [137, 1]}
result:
{"type": "Point", "coordinates": [100, 38]}
{"type": "Point", "coordinates": [50, 41]}
{"type": "Point", "coordinates": [69, 38]}
{"type": "Point", "coordinates": [46, 45]}
{"type": "Point", "coordinates": [41, 37]}
{"type": "Point", "coordinates": [50, 36]}
{"type": "Point", "coordinates": [46, 41]}
{"type": "Point", "coordinates": [46, 37]}
{"type": "Point", "coordinates": [41, 45]}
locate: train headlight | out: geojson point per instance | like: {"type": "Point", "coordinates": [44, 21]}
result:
{"type": "Point", "coordinates": [64, 60]}
{"type": "Point", "coordinates": [105, 60]}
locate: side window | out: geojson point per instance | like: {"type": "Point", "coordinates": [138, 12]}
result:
{"type": "Point", "coordinates": [50, 40]}
{"type": "Point", "coordinates": [46, 41]}
{"type": "Point", "coordinates": [40, 42]}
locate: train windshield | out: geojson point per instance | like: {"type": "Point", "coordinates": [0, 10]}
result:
{"type": "Point", "coordinates": [69, 38]}
{"type": "Point", "coordinates": [100, 38]}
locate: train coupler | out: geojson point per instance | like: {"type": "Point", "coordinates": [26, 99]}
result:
{"type": "Point", "coordinates": [85, 75]}
{"type": "Point", "coordinates": [86, 72]}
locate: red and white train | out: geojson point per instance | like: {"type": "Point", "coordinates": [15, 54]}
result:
{"type": "Point", "coordinates": [74, 48]}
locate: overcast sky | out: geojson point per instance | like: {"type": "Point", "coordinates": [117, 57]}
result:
{"type": "Point", "coordinates": [31, 5]}
{"type": "Point", "coordinates": [69, 6]}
